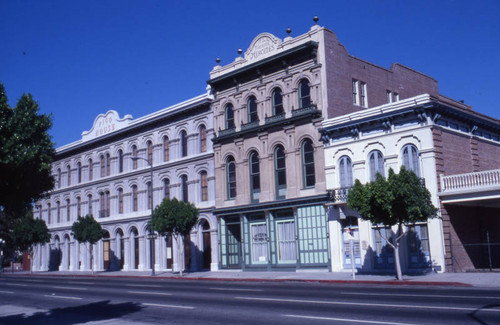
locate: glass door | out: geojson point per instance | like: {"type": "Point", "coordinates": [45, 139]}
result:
{"type": "Point", "coordinates": [287, 251]}
{"type": "Point", "coordinates": [259, 243]}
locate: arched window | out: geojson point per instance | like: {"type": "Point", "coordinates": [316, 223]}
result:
{"type": "Point", "coordinates": [203, 138]}
{"type": "Point", "coordinates": [120, 200]}
{"type": "Point", "coordinates": [120, 161]}
{"type": "Point", "coordinates": [166, 188]}
{"type": "Point", "coordinates": [376, 162]}
{"type": "Point", "coordinates": [345, 172]}
{"type": "Point", "coordinates": [49, 219]}
{"type": "Point", "coordinates": [79, 172]}
{"type": "Point", "coordinates": [150, 193]}
{"type": "Point", "coordinates": [184, 188]}
{"type": "Point", "coordinates": [277, 99]}
{"type": "Point", "coordinates": [410, 158]}
{"type": "Point", "coordinates": [68, 210]}
{"type": "Point", "coordinates": [103, 166]}
{"type": "Point", "coordinates": [58, 211]}
{"type": "Point", "coordinates": [166, 149]}
{"type": "Point", "coordinates": [108, 164]}
{"type": "Point", "coordinates": [280, 172]}
{"type": "Point", "coordinates": [308, 163]}
{"type": "Point", "coordinates": [231, 177]}
{"type": "Point", "coordinates": [89, 201]}
{"type": "Point", "coordinates": [134, 154]}
{"type": "Point", "coordinates": [134, 198]}
{"type": "Point", "coordinates": [304, 94]}
{"type": "Point", "coordinates": [229, 117]}
{"type": "Point", "coordinates": [149, 145]}
{"type": "Point", "coordinates": [204, 186]}
{"type": "Point", "coordinates": [254, 176]}
{"type": "Point", "coordinates": [91, 170]}
{"type": "Point", "coordinates": [68, 171]}
{"type": "Point", "coordinates": [184, 144]}
{"type": "Point", "coordinates": [252, 115]}
{"type": "Point", "coordinates": [78, 206]}
{"type": "Point", "coordinates": [59, 177]}
{"type": "Point", "coordinates": [108, 205]}
{"type": "Point", "coordinates": [102, 201]}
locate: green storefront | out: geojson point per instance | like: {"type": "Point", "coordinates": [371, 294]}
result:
{"type": "Point", "coordinates": [271, 236]}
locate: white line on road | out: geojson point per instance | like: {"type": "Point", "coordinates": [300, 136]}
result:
{"type": "Point", "coordinates": [6, 292]}
{"type": "Point", "coordinates": [16, 284]}
{"type": "Point", "coordinates": [75, 282]}
{"type": "Point", "coordinates": [168, 306]}
{"type": "Point", "coordinates": [235, 289]}
{"type": "Point", "coordinates": [151, 293]}
{"type": "Point", "coordinates": [63, 297]}
{"type": "Point", "coordinates": [415, 295]}
{"type": "Point", "coordinates": [368, 304]}
{"type": "Point", "coordinates": [143, 285]}
{"type": "Point", "coordinates": [347, 320]}
{"type": "Point", "coordinates": [70, 288]}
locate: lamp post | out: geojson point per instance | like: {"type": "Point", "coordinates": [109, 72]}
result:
{"type": "Point", "coordinates": [1, 254]}
{"type": "Point", "coordinates": [151, 235]}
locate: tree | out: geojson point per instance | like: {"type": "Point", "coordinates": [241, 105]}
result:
{"type": "Point", "coordinates": [87, 230]}
{"type": "Point", "coordinates": [26, 154]}
{"type": "Point", "coordinates": [175, 218]}
{"type": "Point", "coordinates": [396, 201]}
{"type": "Point", "coordinates": [28, 233]}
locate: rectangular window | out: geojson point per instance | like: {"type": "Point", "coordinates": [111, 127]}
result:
{"type": "Point", "coordinates": [363, 96]}
{"type": "Point", "coordinates": [355, 92]}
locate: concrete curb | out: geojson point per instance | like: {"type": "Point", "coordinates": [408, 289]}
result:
{"type": "Point", "coordinates": [369, 282]}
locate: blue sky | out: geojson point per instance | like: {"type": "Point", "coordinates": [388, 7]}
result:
{"type": "Point", "coordinates": [82, 58]}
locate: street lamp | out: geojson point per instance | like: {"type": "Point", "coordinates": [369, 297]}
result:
{"type": "Point", "coordinates": [151, 235]}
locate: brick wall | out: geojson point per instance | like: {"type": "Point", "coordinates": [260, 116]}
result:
{"type": "Point", "coordinates": [341, 68]}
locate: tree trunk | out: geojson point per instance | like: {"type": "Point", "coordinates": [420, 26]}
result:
{"type": "Point", "coordinates": [92, 258]}
{"type": "Point", "coordinates": [181, 253]}
{"type": "Point", "coordinates": [30, 252]}
{"type": "Point", "coordinates": [397, 262]}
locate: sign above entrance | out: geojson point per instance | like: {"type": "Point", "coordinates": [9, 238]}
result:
{"type": "Point", "coordinates": [262, 46]}
{"type": "Point", "coordinates": [106, 123]}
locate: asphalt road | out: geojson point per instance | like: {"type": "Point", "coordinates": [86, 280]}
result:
{"type": "Point", "coordinates": [75, 300]}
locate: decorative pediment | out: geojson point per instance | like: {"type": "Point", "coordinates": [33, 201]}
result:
{"type": "Point", "coordinates": [264, 45]}
{"type": "Point", "coordinates": [105, 124]}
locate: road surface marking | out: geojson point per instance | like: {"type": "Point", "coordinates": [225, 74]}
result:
{"type": "Point", "coordinates": [168, 306]}
{"type": "Point", "coordinates": [347, 320]}
{"type": "Point", "coordinates": [6, 292]}
{"type": "Point", "coordinates": [151, 293]}
{"type": "Point", "coordinates": [82, 283]}
{"type": "Point", "coordinates": [235, 289]}
{"type": "Point", "coordinates": [143, 285]}
{"type": "Point", "coordinates": [416, 295]}
{"type": "Point", "coordinates": [16, 284]}
{"type": "Point", "coordinates": [70, 288]}
{"type": "Point", "coordinates": [63, 297]}
{"type": "Point", "coordinates": [368, 304]}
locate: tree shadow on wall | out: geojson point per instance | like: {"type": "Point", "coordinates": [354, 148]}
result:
{"type": "Point", "coordinates": [98, 311]}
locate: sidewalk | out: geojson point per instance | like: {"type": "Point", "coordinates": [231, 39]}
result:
{"type": "Point", "coordinates": [476, 279]}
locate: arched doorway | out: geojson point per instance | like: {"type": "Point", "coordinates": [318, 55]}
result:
{"type": "Point", "coordinates": [134, 247]}
{"type": "Point", "coordinates": [120, 248]}
{"type": "Point", "coordinates": [207, 245]}
{"type": "Point", "coordinates": [106, 251]}
{"type": "Point", "coordinates": [55, 254]}
{"type": "Point", "coordinates": [67, 253]}
{"type": "Point", "coordinates": [350, 232]}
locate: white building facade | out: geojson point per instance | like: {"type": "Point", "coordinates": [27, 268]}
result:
{"type": "Point", "coordinates": [96, 175]}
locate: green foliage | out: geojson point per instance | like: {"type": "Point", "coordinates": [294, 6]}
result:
{"type": "Point", "coordinates": [87, 230]}
{"type": "Point", "coordinates": [399, 199]}
{"type": "Point", "coordinates": [29, 231]}
{"type": "Point", "coordinates": [173, 217]}
{"type": "Point", "coordinates": [26, 154]}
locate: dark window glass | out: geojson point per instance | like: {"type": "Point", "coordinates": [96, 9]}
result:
{"type": "Point", "coordinates": [229, 117]}
{"type": "Point", "coordinates": [68, 170]}
{"type": "Point", "coordinates": [277, 102]}
{"type": "Point", "coordinates": [91, 170]}
{"type": "Point", "coordinates": [120, 200]}
{"type": "Point", "coordinates": [150, 193]}
{"type": "Point", "coordinates": [204, 186]}
{"type": "Point", "coordinates": [134, 198]}
{"type": "Point", "coordinates": [120, 161]}
{"type": "Point", "coordinates": [184, 148]}
{"type": "Point", "coordinates": [231, 178]}
{"type": "Point", "coordinates": [254, 176]}
{"type": "Point", "coordinates": [103, 166]}
{"type": "Point", "coordinates": [184, 186]}
{"type": "Point", "coordinates": [150, 152]}
{"type": "Point", "coordinates": [376, 161]}
{"type": "Point", "coordinates": [308, 163]}
{"type": "Point", "coordinates": [203, 139]}
{"type": "Point", "coordinates": [166, 188]}
{"type": "Point", "coordinates": [68, 210]}
{"type": "Point", "coordinates": [280, 171]}
{"type": "Point", "coordinates": [304, 94]}
{"type": "Point", "coordinates": [252, 109]}
{"type": "Point", "coordinates": [410, 159]}
{"type": "Point", "coordinates": [166, 149]}
{"type": "Point", "coordinates": [79, 172]}
{"type": "Point", "coordinates": [134, 154]}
